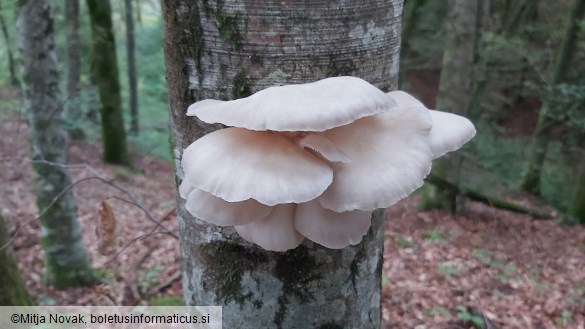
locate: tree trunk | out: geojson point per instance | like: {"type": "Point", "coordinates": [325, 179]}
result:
{"type": "Point", "coordinates": [455, 87]}
{"type": "Point", "coordinates": [458, 56]}
{"type": "Point", "coordinates": [577, 208]}
{"type": "Point", "coordinates": [130, 48]}
{"type": "Point", "coordinates": [409, 19]}
{"type": "Point", "coordinates": [105, 67]}
{"type": "Point", "coordinates": [540, 137]}
{"type": "Point", "coordinates": [73, 112]}
{"type": "Point", "coordinates": [12, 289]}
{"type": "Point", "coordinates": [229, 50]}
{"type": "Point", "coordinates": [518, 15]}
{"type": "Point", "coordinates": [138, 7]}
{"type": "Point", "coordinates": [66, 262]}
{"type": "Point", "coordinates": [11, 65]}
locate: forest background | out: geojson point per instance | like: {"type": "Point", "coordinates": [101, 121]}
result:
{"type": "Point", "coordinates": [527, 86]}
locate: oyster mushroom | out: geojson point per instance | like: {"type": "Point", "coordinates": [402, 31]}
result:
{"type": "Point", "coordinates": [312, 160]}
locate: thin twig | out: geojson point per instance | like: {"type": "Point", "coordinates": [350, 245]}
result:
{"type": "Point", "coordinates": [70, 186]}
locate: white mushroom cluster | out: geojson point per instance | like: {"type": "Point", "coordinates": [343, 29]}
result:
{"type": "Point", "coordinates": [312, 160]}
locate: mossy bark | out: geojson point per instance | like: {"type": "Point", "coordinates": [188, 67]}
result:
{"type": "Point", "coordinates": [455, 83]}
{"type": "Point", "coordinates": [225, 50]}
{"type": "Point", "coordinates": [540, 137]}
{"type": "Point", "coordinates": [66, 262]}
{"type": "Point", "coordinates": [131, 58]}
{"type": "Point", "coordinates": [12, 289]}
{"type": "Point", "coordinates": [73, 106]}
{"type": "Point", "coordinates": [105, 67]}
{"type": "Point", "coordinates": [11, 65]}
{"type": "Point", "coordinates": [577, 207]}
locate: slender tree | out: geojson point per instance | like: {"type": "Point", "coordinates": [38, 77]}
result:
{"type": "Point", "coordinates": [517, 15]}
{"type": "Point", "coordinates": [577, 207]}
{"type": "Point", "coordinates": [409, 19]}
{"type": "Point", "coordinates": [11, 65]}
{"type": "Point", "coordinates": [66, 262]}
{"type": "Point", "coordinates": [223, 51]}
{"type": "Point", "coordinates": [138, 12]}
{"type": "Point", "coordinates": [73, 113]}
{"type": "Point", "coordinates": [12, 289]}
{"type": "Point", "coordinates": [458, 56]}
{"type": "Point", "coordinates": [455, 85]}
{"type": "Point", "coordinates": [131, 57]}
{"type": "Point", "coordinates": [105, 67]}
{"type": "Point", "coordinates": [540, 137]}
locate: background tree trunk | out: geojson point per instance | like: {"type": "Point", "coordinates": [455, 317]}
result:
{"type": "Point", "coordinates": [11, 65]}
{"type": "Point", "coordinates": [105, 67]}
{"type": "Point", "coordinates": [66, 262]}
{"type": "Point", "coordinates": [130, 48]}
{"type": "Point", "coordinates": [409, 19]}
{"type": "Point", "coordinates": [455, 88]}
{"type": "Point", "coordinates": [138, 12]}
{"type": "Point", "coordinates": [577, 208]}
{"type": "Point", "coordinates": [458, 56]}
{"type": "Point", "coordinates": [73, 110]}
{"type": "Point", "coordinates": [12, 289]}
{"type": "Point", "coordinates": [215, 49]}
{"type": "Point", "coordinates": [540, 137]}
{"type": "Point", "coordinates": [518, 15]}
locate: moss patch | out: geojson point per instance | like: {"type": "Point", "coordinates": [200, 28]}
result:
{"type": "Point", "coordinates": [337, 68]}
{"type": "Point", "coordinates": [296, 269]}
{"type": "Point", "coordinates": [228, 26]}
{"type": "Point", "coordinates": [225, 264]}
{"type": "Point", "coordinates": [354, 267]}
{"type": "Point", "coordinates": [167, 300]}
{"type": "Point", "coordinates": [242, 85]}
{"type": "Point", "coordinates": [193, 36]}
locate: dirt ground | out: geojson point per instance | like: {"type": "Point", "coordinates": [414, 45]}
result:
{"type": "Point", "coordinates": [439, 270]}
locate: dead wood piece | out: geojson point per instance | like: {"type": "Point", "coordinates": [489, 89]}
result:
{"type": "Point", "coordinates": [480, 197]}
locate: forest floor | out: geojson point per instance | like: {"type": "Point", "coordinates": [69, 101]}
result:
{"type": "Point", "coordinates": [439, 269]}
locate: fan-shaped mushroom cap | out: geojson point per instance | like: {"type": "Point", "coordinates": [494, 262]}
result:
{"type": "Point", "coordinates": [449, 132]}
{"type": "Point", "coordinates": [275, 232]}
{"type": "Point", "coordinates": [390, 156]}
{"type": "Point", "coordinates": [315, 106]}
{"type": "Point", "coordinates": [331, 229]}
{"type": "Point", "coordinates": [237, 164]}
{"type": "Point", "coordinates": [217, 211]}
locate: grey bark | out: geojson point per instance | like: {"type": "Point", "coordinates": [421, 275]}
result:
{"type": "Point", "coordinates": [66, 263]}
{"type": "Point", "coordinates": [131, 60]}
{"type": "Point", "coordinates": [225, 50]}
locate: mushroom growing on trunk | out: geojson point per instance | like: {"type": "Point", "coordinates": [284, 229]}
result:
{"type": "Point", "coordinates": [312, 160]}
